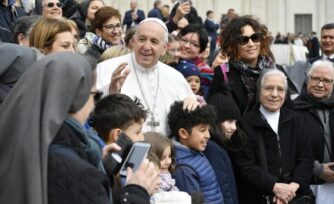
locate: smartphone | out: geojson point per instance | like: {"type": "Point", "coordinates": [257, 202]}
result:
{"type": "Point", "coordinates": [135, 157]}
{"type": "Point", "coordinates": [113, 162]}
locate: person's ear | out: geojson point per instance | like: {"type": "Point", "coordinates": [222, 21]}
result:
{"type": "Point", "coordinates": [113, 135]}
{"type": "Point", "coordinates": [183, 133]}
{"type": "Point", "coordinates": [20, 38]}
{"type": "Point", "coordinates": [98, 32]}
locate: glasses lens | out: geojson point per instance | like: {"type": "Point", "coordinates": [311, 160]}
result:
{"type": "Point", "coordinates": [256, 37]}
{"type": "Point", "coordinates": [51, 4]}
{"type": "Point", "coordinates": [60, 5]}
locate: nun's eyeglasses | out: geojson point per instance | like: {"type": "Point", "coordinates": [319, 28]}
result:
{"type": "Point", "coordinates": [243, 40]}
{"type": "Point", "coordinates": [97, 95]}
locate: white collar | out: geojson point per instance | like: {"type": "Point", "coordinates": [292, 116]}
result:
{"type": "Point", "coordinates": [269, 114]}
{"type": "Point", "coordinates": [326, 56]}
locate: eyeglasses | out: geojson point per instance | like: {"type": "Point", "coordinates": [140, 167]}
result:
{"type": "Point", "coordinates": [317, 80]}
{"type": "Point", "coordinates": [192, 44]}
{"type": "Point", "coordinates": [112, 27]}
{"type": "Point", "coordinates": [58, 4]}
{"type": "Point", "coordinates": [97, 95]}
{"type": "Point", "coordinates": [243, 40]}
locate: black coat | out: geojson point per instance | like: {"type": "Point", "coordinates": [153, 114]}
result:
{"type": "Point", "coordinates": [238, 89]}
{"type": "Point", "coordinates": [287, 160]}
{"type": "Point", "coordinates": [73, 179]}
{"type": "Point", "coordinates": [314, 127]}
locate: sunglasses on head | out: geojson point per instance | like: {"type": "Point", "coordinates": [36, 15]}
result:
{"type": "Point", "coordinates": [58, 4]}
{"type": "Point", "coordinates": [243, 40]}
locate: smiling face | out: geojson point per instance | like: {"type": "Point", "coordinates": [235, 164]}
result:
{"type": "Point", "coordinates": [327, 41]}
{"type": "Point", "coordinates": [272, 93]}
{"type": "Point", "coordinates": [197, 139]}
{"type": "Point", "coordinates": [63, 42]}
{"type": "Point", "coordinates": [149, 44]}
{"type": "Point", "coordinates": [111, 31]}
{"type": "Point", "coordinates": [51, 9]}
{"type": "Point", "coordinates": [249, 52]}
{"type": "Point", "coordinates": [190, 47]}
{"type": "Point", "coordinates": [319, 90]}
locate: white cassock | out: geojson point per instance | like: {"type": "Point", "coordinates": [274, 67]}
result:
{"type": "Point", "coordinates": [161, 87]}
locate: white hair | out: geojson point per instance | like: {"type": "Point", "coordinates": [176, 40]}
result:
{"type": "Point", "coordinates": [271, 72]}
{"type": "Point", "coordinates": [322, 64]}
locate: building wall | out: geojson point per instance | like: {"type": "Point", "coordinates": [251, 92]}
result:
{"type": "Point", "coordinates": [278, 15]}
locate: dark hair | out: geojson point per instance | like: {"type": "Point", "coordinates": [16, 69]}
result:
{"type": "Point", "coordinates": [102, 15]}
{"type": "Point", "coordinates": [179, 118]}
{"type": "Point", "coordinates": [24, 25]}
{"type": "Point", "coordinates": [158, 143]}
{"type": "Point", "coordinates": [209, 12]}
{"type": "Point", "coordinates": [200, 31]}
{"type": "Point", "coordinates": [327, 26]}
{"type": "Point", "coordinates": [229, 42]}
{"type": "Point", "coordinates": [116, 111]}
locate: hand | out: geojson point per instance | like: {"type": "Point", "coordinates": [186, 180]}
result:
{"type": "Point", "coordinates": [284, 192]}
{"type": "Point", "coordinates": [183, 22]}
{"type": "Point", "coordinates": [182, 10]}
{"type": "Point", "coordinates": [190, 104]}
{"type": "Point", "coordinates": [328, 174]}
{"type": "Point", "coordinates": [118, 77]}
{"type": "Point", "coordinates": [110, 148]}
{"type": "Point", "coordinates": [278, 201]}
{"type": "Point", "coordinates": [146, 176]}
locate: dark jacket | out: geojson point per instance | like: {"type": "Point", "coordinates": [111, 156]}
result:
{"type": "Point", "coordinates": [211, 27]}
{"type": "Point", "coordinates": [222, 166]}
{"type": "Point", "coordinates": [155, 13]}
{"type": "Point", "coordinates": [128, 18]}
{"type": "Point", "coordinates": [8, 16]}
{"type": "Point", "coordinates": [314, 47]}
{"type": "Point", "coordinates": [314, 127]}
{"type": "Point", "coordinates": [193, 173]}
{"type": "Point", "coordinates": [73, 179]}
{"type": "Point", "coordinates": [287, 159]}
{"type": "Point", "coordinates": [237, 87]}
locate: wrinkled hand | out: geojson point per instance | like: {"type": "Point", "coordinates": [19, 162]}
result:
{"type": "Point", "coordinates": [190, 104]}
{"type": "Point", "coordinates": [146, 176]}
{"type": "Point", "coordinates": [284, 192]}
{"type": "Point", "coordinates": [182, 10]}
{"type": "Point", "coordinates": [328, 174]}
{"type": "Point", "coordinates": [118, 77]}
{"type": "Point", "coordinates": [110, 148]}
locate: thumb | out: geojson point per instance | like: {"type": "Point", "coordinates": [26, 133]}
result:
{"type": "Point", "coordinates": [129, 173]}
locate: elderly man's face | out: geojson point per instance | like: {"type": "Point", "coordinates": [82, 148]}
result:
{"type": "Point", "coordinates": [320, 83]}
{"type": "Point", "coordinates": [52, 9]}
{"type": "Point", "coordinates": [272, 93]}
{"type": "Point", "coordinates": [149, 44]}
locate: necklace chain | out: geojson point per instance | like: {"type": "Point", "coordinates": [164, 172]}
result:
{"type": "Point", "coordinates": [142, 92]}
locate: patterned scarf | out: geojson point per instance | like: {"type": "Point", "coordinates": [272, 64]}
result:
{"type": "Point", "coordinates": [100, 43]}
{"type": "Point", "coordinates": [250, 75]}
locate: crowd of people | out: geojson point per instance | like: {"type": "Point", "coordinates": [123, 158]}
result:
{"type": "Point", "coordinates": [79, 79]}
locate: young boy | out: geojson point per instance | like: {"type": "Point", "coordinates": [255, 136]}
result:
{"type": "Point", "coordinates": [193, 174]}
{"type": "Point", "coordinates": [116, 113]}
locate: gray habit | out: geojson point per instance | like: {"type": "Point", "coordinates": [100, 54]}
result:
{"type": "Point", "coordinates": [30, 117]}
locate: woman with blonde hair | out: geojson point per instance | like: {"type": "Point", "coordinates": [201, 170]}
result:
{"type": "Point", "coordinates": [52, 35]}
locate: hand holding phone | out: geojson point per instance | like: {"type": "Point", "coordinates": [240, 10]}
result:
{"type": "Point", "coordinates": [135, 157]}
{"type": "Point", "coordinates": [113, 162]}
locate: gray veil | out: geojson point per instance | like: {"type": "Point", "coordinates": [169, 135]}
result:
{"type": "Point", "coordinates": [30, 117]}
{"type": "Point", "coordinates": [14, 60]}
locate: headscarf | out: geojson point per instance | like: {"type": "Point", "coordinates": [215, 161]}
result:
{"type": "Point", "coordinates": [30, 117]}
{"type": "Point", "coordinates": [15, 60]}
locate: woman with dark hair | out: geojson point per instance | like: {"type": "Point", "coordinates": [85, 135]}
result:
{"type": "Point", "coordinates": [108, 29]}
{"type": "Point", "coordinates": [246, 42]}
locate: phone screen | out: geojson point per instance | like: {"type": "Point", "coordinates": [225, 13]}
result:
{"type": "Point", "coordinates": [135, 157]}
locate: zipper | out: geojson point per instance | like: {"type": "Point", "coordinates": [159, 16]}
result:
{"type": "Point", "coordinates": [280, 154]}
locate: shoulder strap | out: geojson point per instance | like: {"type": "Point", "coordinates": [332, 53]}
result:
{"type": "Point", "coordinates": [63, 150]}
{"type": "Point", "coordinates": [224, 69]}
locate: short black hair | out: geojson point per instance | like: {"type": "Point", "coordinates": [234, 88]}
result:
{"type": "Point", "coordinates": [327, 26]}
{"type": "Point", "coordinates": [179, 118]}
{"type": "Point", "coordinates": [209, 12]}
{"type": "Point", "coordinates": [200, 31]}
{"type": "Point", "coordinates": [24, 25]}
{"type": "Point", "coordinates": [116, 111]}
